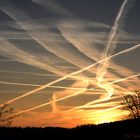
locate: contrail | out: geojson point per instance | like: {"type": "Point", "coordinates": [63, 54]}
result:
{"type": "Point", "coordinates": [120, 80]}
{"type": "Point", "coordinates": [18, 84]}
{"type": "Point", "coordinates": [84, 45]}
{"type": "Point", "coordinates": [115, 26]}
{"type": "Point", "coordinates": [37, 85]}
{"type": "Point", "coordinates": [62, 78]}
{"type": "Point", "coordinates": [81, 47]}
{"type": "Point", "coordinates": [36, 37]}
{"type": "Point", "coordinates": [123, 79]}
{"type": "Point", "coordinates": [100, 100]}
{"type": "Point", "coordinates": [50, 68]}
{"type": "Point", "coordinates": [109, 49]}
{"type": "Point", "coordinates": [11, 51]}
{"type": "Point", "coordinates": [114, 82]}
{"type": "Point", "coordinates": [112, 36]}
{"type": "Point", "coordinates": [45, 104]}
{"type": "Point", "coordinates": [69, 93]}
{"type": "Point", "coordinates": [7, 60]}
{"type": "Point", "coordinates": [57, 48]}
{"type": "Point", "coordinates": [101, 105]}
{"type": "Point", "coordinates": [29, 73]}
{"type": "Point", "coordinates": [90, 103]}
{"type": "Point", "coordinates": [71, 74]}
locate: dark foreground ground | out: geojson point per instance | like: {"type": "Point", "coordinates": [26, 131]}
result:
{"type": "Point", "coordinates": [129, 130]}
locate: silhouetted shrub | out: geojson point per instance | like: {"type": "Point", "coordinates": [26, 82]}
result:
{"type": "Point", "coordinates": [5, 111]}
{"type": "Point", "coordinates": [132, 104]}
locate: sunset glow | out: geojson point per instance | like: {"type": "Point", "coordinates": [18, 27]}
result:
{"type": "Point", "coordinates": [63, 63]}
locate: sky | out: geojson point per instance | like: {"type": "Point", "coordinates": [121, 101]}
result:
{"type": "Point", "coordinates": [68, 62]}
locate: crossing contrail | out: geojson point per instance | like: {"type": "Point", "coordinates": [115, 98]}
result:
{"type": "Point", "coordinates": [56, 48]}
{"type": "Point", "coordinates": [71, 74]}
{"type": "Point", "coordinates": [123, 79]}
{"type": "Point", "coordinates": [111, 83]}
{"type": "Point", "coordinates": [9, 50]}
{"type": "Point", "coordinates": [115, 27]}
{"type": "Point", "coordinates": [62, 78]}
{"type": "Point", "coordinates": [109, 49]}
{"type": "Point", "coordinates": [48, 103]}
{"type": "Point", "coordinates": [83, 106]}
{"type": "Point", "coordinates": [94, 104]}
{"type": "Point", "coordinates": [37, 85]}
{"type": "Point", "coordinates": [100, 100]}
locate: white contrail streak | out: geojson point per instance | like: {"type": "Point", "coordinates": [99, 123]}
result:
{"type": "Point", "coordinates": [100, 100]}
{"type": "Point", "coordinates": [18, 84]}
{"type": "Point", "coordinates": [29, 73]}
{"type": "Point", "coordinates": [9, 50]}
{"type": "Point", "coordinates": [37, 85]}
{"type": "Point", "coordinates": [123, 79]}
{"type": "Point", "coordinates": [112, 35]}
{"type": "Point", "coordinates": [50, 68]}
{"type": "Point", "coordinates": [57, 48]}
{"type": "Point", "coordinates": [66, 76]}
{"type": "Point", "coordinates": [83, 106]}
{"type": "Point", "coordinates": [109, 49]}
{"type": "Point", "coordinates": [114, 82]}
{"type": "Point", "coordinates": [84, 42]}
{"type": "Point", "coordinates": [71, 74]}
{"type": "Point", "coordinates": [115, 26]}
{"type": "Point", "coordinates": [37, 38]}
{"type": "Point", "coordinates": [93, 103]}
{"type": "Point", "coordinates": [87, 51]}
{"type": "Point", "coordinates": [39, 106]}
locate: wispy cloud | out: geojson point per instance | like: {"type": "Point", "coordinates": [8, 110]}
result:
{"type": "Point", "coordinates": [57, 47]}
{"type": "Point", "coordinates": [62, 78]}
{"type": "Point", "coordinates": [10, 51]}
{"type": "Point", "coordinates": [85, 42]}
{"type": "Point", "coordinates": [109, 49]}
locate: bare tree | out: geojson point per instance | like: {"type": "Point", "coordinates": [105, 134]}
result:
{"type": "Point", "coordinates": [132, 104]}
{"type": "Point", "coordinates": [5, 111]}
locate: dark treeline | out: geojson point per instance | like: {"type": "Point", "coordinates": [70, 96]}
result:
{"type": "Point", "coordinates": [128, 129]}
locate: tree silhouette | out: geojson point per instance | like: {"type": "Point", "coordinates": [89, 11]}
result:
{"type": "Point", "coordinates": [5, 111]}
{"type": "Point", "coordinates": [132, 104]}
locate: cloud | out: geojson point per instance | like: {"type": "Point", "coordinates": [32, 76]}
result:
{"type": "Point", "coordinates": [10, 51]}
{"type": "Point", "coordinates": [64, 77]}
